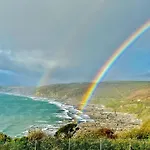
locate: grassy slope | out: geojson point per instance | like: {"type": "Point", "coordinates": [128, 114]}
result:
{"type": "Point", "coordinates": [121, 96]}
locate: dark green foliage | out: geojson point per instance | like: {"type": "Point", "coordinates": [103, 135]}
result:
{"type": "Point", "coordinates": [104, 138]}
{"type": "Point", "coordinates": [97, 133]}
{"type": "Point", "coordinates": [67, 131]}
{"type": "Point", "coordinates": [20, 144]}
{"type": "Point", "coordinates": [36, 135]}
{"type": "Point", "coordinates": [4, 138]}
{"type": "Point", "coordinates": [50, 143]}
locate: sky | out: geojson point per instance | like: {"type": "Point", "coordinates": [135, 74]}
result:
{"type": "Point", "coordinates": [55, 41]}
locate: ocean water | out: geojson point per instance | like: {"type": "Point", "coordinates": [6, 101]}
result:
{"type": "Point", "coordinates": [20, 113]}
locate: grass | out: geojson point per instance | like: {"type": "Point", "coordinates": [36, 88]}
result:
{"type": "Point", "coordinates": [106, 90]}
{"type": "Point", "coordinates": [122, 96]}
{"type": "Point", "coordinates": [93, 140]}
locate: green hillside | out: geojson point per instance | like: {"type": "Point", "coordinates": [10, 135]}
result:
{"type": "Point", "coordinates": [105, 90]}
{"type": "Point", "coordinates": [124, 96]}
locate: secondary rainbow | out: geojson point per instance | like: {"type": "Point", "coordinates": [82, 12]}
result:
{"type": "Point", "coordinates": [105, 68]}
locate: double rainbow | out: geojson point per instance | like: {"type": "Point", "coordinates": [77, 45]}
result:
{"type": "Point", "coordinates": [105, 68]}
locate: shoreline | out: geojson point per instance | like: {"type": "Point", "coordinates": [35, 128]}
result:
{"type": "Point", "coordinates": [97, 114]}
{"type": "Point", "coordinates": [104, 117]}
{"type": "Point", "coordinates": [68, 114]}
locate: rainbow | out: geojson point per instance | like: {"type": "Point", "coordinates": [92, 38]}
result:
{"type": "Point", "coordinates": [105, 68]}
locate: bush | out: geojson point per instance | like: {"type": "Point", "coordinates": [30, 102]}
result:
{"type": "Point", "coordinates": [135, 134]}
{"type": "Point", "coordinates": [49, 143]}
{"type": "Point", "coordinates": [138, 133]}
{"type": "Point", "coordinates": [105, 138]}
{"type": "Point", "coordinates": [108, 133]}
{"type": "Point", "coordinates": [4, 138]}
{"type": "Point", "coordinates": [20, 144]}
{"type": "Point", "coordinates": [36, 135]}
{"type": "Point", "coordinates": [67, 131]}
{"type": "Point", "coordinates": [97, 133]}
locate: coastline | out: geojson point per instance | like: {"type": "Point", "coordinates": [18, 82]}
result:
{"type": "Point", "coordinates": [68, 114]}
{"type": "Point", "coordinates": [104, 117]}
{"type": "Point", "coordinates": [95, 116]}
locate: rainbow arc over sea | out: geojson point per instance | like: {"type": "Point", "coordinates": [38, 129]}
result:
{"type": "Point", "coordinates": [105, 68]}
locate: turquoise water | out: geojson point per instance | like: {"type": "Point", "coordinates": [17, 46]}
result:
{"type": "Point", "coordinates": [18, 113]}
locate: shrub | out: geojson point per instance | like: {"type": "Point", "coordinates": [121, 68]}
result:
{"type": "Point", "coordinates": [135, 134]}
{"type": "Point", "coordinates": [36, 135]}
{"type": "Point", "coordinates": [67, 131]}
{"type": "Point", "coordinates": [106, 132]}
{"type": "Point", "coordinates": [4, 138]}
{"type": "Point", "coordinates": [20, 144]}
{"type": "Point", "coordinates": [49, 143]}
{"type": "Point", "coordinates": [97, 133]}
{"type": "Point", "coordinates": [138, 133]}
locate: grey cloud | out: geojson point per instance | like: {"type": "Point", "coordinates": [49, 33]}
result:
{"type": "Point", "coordinates": [43, 33]}
{"type": "Point", "coordinates": [50, 37]}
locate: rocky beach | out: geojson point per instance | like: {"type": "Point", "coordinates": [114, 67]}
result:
{"type": "Point", "coordinates": [100, 116]}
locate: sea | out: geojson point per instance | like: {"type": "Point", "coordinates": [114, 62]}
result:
{"type": "Point", "coordinates": [19, 114]}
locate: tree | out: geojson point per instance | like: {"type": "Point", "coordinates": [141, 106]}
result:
{"type": "Point", "coordinates": [67, 131]}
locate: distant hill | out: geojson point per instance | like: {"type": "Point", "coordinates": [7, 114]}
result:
{"type": "Point", "coordinates": [105, 90]}
{"type": "Point", "coordinates": [18, 90]}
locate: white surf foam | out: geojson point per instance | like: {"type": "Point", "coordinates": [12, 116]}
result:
{"type": "Point", "coordinates": [69, 113]}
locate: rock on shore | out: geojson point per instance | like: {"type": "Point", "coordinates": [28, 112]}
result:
{"type": "Point", "coordinates": [106, 118]}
